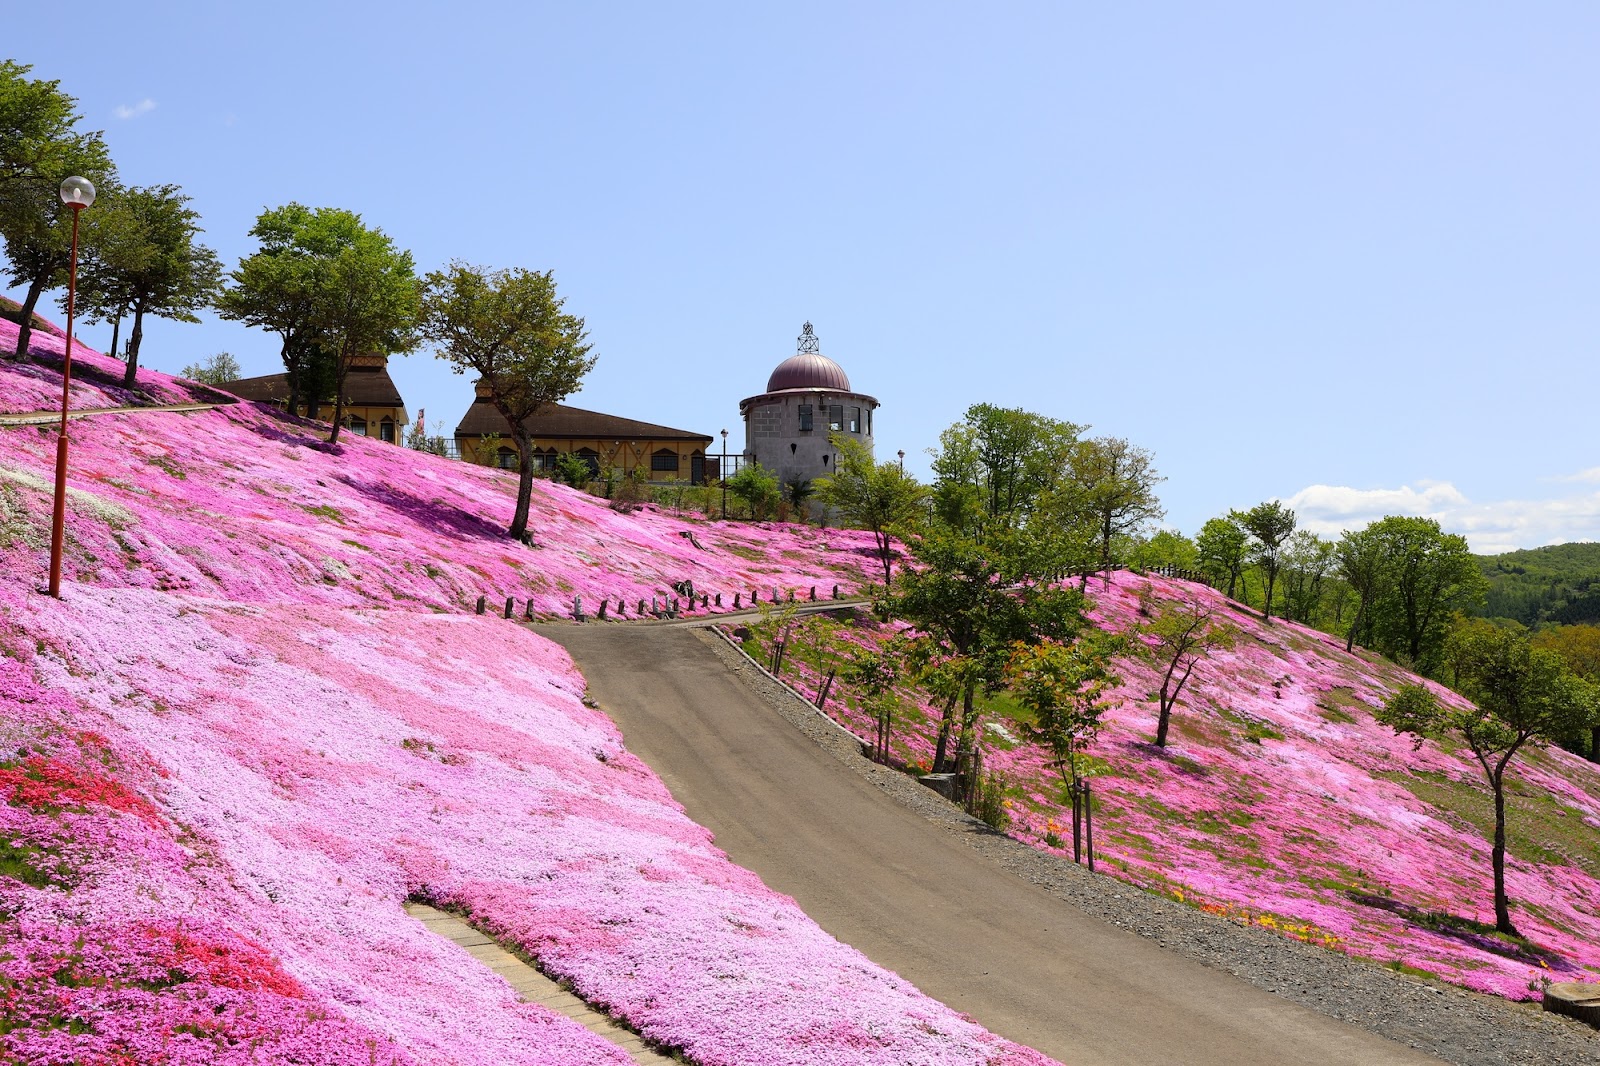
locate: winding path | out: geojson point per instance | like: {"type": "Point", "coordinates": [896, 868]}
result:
{"type": "Point", "coordinates": [47, 418]}
{"type": "Point", "coordinates": [913, 897]}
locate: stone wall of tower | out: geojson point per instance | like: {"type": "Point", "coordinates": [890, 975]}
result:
{"type": "Point", "coordinates": [776, 437]}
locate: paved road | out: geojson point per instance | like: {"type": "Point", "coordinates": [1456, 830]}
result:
{"type": "Point", "coordinates": [912, 897]}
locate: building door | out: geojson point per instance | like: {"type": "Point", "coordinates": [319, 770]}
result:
{"type": "Point", "coordinates": [697, 468]}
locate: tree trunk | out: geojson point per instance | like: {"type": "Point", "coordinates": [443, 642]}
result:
{"type": "Point", "coordinates": [1594, 743]}
{"type": "Point", "coordinates": [1266, 605]}
{"type": "Point", "coordinates": [340, 370]}
{"type": "Point", "coordinates": [1162, 722]}
{"type": "Point", "coordinates": [1105, 550]}
{"type": "Point", "coordinates": [135, 337]}
{"type": "Point", "coordinates": [25, 325]}
{"type": "Point", "coordinates": [1350, 637]}
{"type": "Point", "coordinates": [116, 330]}
{"type": "Point", "coordinates": [519, 520]}
{"type": "Point", "coordinates": [943, 743]}
{"type": "Point", "coordinates": [1502, 906]}
{"type": "Point", "coordinates": [884, 550]}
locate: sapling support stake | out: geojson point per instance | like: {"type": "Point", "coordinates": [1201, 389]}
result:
{"type": "Point", "coordinates": [827, 686]}
{"type": "Point", "coordinates": [483, 603]}
{"type": "Point", "coordinates": [1088, 822]}
{"type": "Point", "coordinates": [1077, 823]}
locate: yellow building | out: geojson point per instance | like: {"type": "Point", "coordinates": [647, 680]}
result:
{"type": "Point", "coordinates": [601, 440]}
{"type": "Point", "coordinates": [372, 403]}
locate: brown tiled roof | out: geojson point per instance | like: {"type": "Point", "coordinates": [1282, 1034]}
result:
{"type": "Point", "coordinates": [559, 422]}
{"type": "Point", "coordinates": [364, 386]}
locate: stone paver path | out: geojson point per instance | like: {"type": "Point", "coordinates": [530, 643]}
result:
{"type": "Point", "coordinates": [43, 418]}
{"type": "Point", "coordinates": [532, 986]}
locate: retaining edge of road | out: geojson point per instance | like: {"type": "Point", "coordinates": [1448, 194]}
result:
{"type": "Point", "coordinates": [801, 696]}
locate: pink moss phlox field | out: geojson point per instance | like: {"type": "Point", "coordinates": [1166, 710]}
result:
{"type": "Point", "coordinates": [1280, 802]}
{"type": "Point", "coordinates": [226, 763]}
{"type": "Point", "coordinates": [247, 504]}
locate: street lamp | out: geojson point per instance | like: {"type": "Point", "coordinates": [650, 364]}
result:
{"type": "Point", "coordinates": [723, 470]}
{"type": "Point", "coordinates": [902, 454]}
{"type": "Point", "coordinates": [77, 193]}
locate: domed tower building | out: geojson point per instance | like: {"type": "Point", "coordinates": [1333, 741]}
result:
{"type": "Point", "coordinates": [808, 399]}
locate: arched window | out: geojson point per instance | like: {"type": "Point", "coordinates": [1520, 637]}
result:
{"type": "Point", "coordinates": [592, 457]}
{"type": "Point", "coordinates": [358, 424]}
{"type": "Point", "coordinates": [505, 459]}
{"type": "Point", "coordinates": [386, 430]}
{"type": "Point", "coordinates": [664, 461]}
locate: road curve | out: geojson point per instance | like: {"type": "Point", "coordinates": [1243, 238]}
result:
{"type": "Point", "coordinates": [917, 901]}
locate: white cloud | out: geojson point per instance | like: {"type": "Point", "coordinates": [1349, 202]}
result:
{"type": "Point", "coordinates": [143, 107]}
{"type": "Point", "coordinates": [1590, 476]}
{"type": "Point", "coordinates": [1497, 526]}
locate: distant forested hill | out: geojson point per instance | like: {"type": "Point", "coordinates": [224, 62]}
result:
{"type": "Point", "coordinates": [1560, 584]}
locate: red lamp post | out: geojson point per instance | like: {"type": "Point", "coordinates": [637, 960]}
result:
{"type": "Point", "coordinates": [76, 193]}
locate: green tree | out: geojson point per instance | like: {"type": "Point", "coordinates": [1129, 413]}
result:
{"type": "Point", "coordinates": [368, 303]}
{"type": "Point", "coordinates": [1428, 576]}
{"type": "Point", "coordinates": [279, 288]}
{"type": "Point", "coordinates": [1269, 525]}
{"type": "Point", "coordinates": [757, 487]}
{"type": "Point", "coordinates": [1115, 490]}
{"type": "Point", "coordinates": [874, 496]}
{"type": "Point", "coordinates": [1361, 559]}
{"type": "Point", "coordinates": [1067, 687]}
{"type": "Point", "coordinates": [973, 600]}
{"type": "Point", "coordinates": [1178, 635]}
{"type": "Point", "coordinates": [508, 328]}
{"type": "Point", "coordinates": [875, 675]}
{"type": "Point", "coordinates": [141, 256]}
{"type": "Point", "coordinates": [997, 464]}
{"type": "Point", "coordinates": [1308, 560]}
{"type": "Point", "coordinates": [1223, 549]}
{"type": "Point", "coordinates": [572, 469]}
{"type": "Point", "coordinates": [1520, 695]}
{"type": "Point", "coordinates": [220, 368]}
{"type": "Point", "coordinates": [1165, 547]}
{"type": "Point", "coordinates": [39, 146]}
{"type": "Point", "coordinates": [1579, 648]}
{"type": "Point", "coordinates": [797, 492]}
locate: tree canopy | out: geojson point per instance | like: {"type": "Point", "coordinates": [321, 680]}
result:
{"type": "Point", "coordinates": [872, 496]}
{"type": "Point", "coordinates": [40, 145]}
{"type": "Point", "coordinates": [141, 256]}
{"type": "Point", "coordinates": [509, 328]}
{"type": "Point", "coordinates": [1519, 693]}
{"type": "Point", "coordinates": [1269, 525]}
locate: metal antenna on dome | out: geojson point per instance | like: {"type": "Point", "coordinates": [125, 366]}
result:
{"type": "Point", "coordinates": [807, 341]}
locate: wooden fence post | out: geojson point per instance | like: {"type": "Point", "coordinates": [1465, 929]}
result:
{"type": "Point", "coordinates": [483, 602]}
{"type": "Point", "coordinates": [510, 602]}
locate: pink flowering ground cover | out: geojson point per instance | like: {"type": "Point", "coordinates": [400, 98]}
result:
{"type": "Point", "coordinates": [246, 503]}
{"type": "Point", "coordinates": [1280, 801]}
{"type": "Point", "coordinates": [225, 765]}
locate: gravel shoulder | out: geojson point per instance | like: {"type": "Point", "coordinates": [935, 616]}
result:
{"type": "Point", "coordinates": [1442, 1020]}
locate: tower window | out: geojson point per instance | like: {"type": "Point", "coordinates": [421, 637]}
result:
{"type": "Point", "coordinates": [805, 418]}
{"type": "Point", "coordinates": [855, 420]}
{"type": "Point", "coordinates": [835, 418]}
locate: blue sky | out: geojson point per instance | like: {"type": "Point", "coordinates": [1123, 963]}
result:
{"type": "Point", "coordinates": [1344, 257]}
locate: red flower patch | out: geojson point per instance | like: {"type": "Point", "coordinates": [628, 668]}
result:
{"type": "Point", "coordinates": [46, 784]}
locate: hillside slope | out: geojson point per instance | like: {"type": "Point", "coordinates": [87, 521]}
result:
{"type": "Point", "coordinates": [1281, 802]}
{"type": "Point", "coordinates": [262, 716]}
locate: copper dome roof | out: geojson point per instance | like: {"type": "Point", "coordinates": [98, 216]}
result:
{"type": "Point", "coordinates": [808, 370]}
